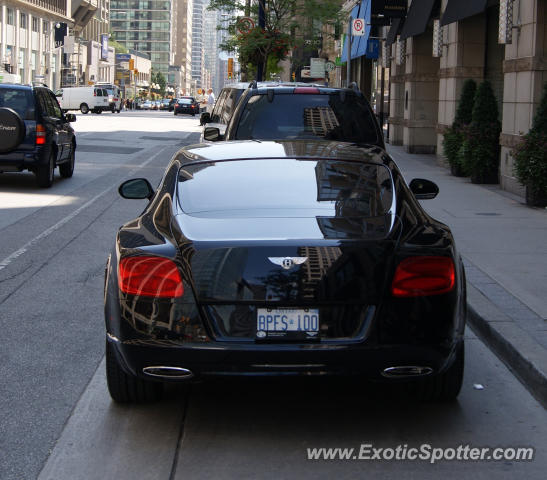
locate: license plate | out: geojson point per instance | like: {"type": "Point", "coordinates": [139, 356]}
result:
{"type": "Point", "coordinates": [280, 322]}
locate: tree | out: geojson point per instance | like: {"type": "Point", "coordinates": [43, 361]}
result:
{"type": "Point", "coordinates": [158, 77]}
{"type": "Point", "coordinates": [531, 157]}
{"type": "Point", "coordinates": [453, 137]}
{"type": "Point", "coordinates": [288, 24]}
{"type": "Point", "coordinates": [482, 137]}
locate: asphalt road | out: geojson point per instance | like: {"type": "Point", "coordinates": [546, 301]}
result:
{"type": "Point", "coordinates": [57, 420]}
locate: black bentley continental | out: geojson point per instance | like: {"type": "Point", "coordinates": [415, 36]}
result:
{"type": "Point", "coordinates": [283, 258]}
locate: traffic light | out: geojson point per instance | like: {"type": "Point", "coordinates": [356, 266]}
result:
{"type": "Point", "coordinates": [230, 67]}
{"type": "Point", "coordinates": [293, 76]}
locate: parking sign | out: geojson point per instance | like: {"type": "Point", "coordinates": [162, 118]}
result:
{"type": "Point", "coordinates": [358, 27]}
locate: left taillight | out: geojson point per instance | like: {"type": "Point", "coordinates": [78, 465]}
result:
{"type": "Point", "coordinates": [40, 135]}
{"type": "Point", "coordinates": [150, 277]}
{"type": "Point", "coordinates": [422, 276]}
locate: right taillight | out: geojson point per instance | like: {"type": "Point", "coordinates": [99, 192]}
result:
{"type": "Point", "coordinates": [40, 134]}
{"type": "Point", "coordinates": [150, 276]}
{"type": "Point", "coordinates": [422, 276]}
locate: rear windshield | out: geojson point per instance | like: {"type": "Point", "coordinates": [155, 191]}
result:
{"type": "Point", "coordinates": [186, 100]}
{"type": "Point", "coordinates": [305, 116]}
{"type": "Point", "coordinates": [292, 188]}
{"type": "Point", "coordinates": [17, 99]}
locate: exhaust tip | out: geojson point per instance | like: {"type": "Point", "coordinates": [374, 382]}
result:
{"type": "Point", "coordinates": [168, 372]}
{"type": "Point", "coordinates": [406, 371]}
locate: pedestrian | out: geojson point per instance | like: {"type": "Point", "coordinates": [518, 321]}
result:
{"type": "Point", "coordinates": [210, 100]}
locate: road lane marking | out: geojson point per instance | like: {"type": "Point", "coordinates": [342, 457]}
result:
{"type": "Point", "coordinates": [12, 257]}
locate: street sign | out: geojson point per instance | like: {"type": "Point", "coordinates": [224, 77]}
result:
{"type": "Point", "coordinates": [358, 27]}
{"type": "Point", "coordinates": [245, 25]}
{"type": "Point", "coordinates": [330, 66]}
{"type": "Point", "coordinates": [305, 73]}
{"type": "Point", "coordinates": [317, 67]}
{"type": "Point", "coordinates": [373, 48]}
{"type": "Point", "coordinates": [123, 57]}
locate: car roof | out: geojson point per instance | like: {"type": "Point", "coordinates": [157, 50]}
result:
{"type": "Point", "coordinates": [255, 149]}
{"type": "Point", "coordinates": [18, 86]}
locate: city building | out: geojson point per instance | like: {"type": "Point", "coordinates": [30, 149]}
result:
{"type": "Point", "coordinates": [27, 45]}
{"type": "Point", "coordinates": [197, 42]}
{"type": "Point", "coordinates": [146, 26]}
{"type": "Point", "coordinates": [182, 46]}
{"type": "Point", "coordinates": [428, 48]}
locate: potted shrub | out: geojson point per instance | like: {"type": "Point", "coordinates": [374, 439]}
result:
{"type": "Point", "coordinates": [482, 137]}
{"type": "Point", "coordinates": [531, 157]}
{"type": "Point", "coordinates": [453, 137]}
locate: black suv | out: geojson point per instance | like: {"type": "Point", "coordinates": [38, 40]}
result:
{"type": "Point", "coordinates": [35, 134]}
{"type": "Point", "coordinates": [301, 111]}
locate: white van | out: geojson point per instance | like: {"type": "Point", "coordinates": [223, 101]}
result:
{"type": "Point", "coordinates": [114, 95]}
{"type": "Point", "coordinates": [85, 99]}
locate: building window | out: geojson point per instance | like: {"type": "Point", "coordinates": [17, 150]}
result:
{"type": "Point", "coordinates": [23, 20]}
{"type": "Point", "coordinates": [45, 27]}
{"type": "Point", "coordinates": [11, 17]}
{"type": "Point", "coordinates": [34, 24]}
{"type": "Point", "coordinates": [22, 64]}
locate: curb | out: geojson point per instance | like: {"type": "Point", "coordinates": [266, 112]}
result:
{"type": "Point", "coordinates": [514, 346]}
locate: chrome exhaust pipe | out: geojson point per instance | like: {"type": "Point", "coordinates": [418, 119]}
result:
{"type": "Point", "coordinates": [172, 373]}
{"type": "Point", "coordinates": [406, 371]}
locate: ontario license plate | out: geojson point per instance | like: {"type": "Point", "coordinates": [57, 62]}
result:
{"type": "Point", "coordinates": [279, 322]}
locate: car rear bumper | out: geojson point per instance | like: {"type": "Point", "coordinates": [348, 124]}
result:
{"type": "Point", "coordinates": [21, 160]}
{"type": "Point", "coordinates": [236, 359]}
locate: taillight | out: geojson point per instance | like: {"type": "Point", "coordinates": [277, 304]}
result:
{"type": "Point", "coordinates": [150, 276]}
{"type": "Point", "coordinates": [421, 276]}
{"type": "Point", "coordinates": [94, 93]}
{"type": "Point", "coordinates": [176, 104]}
{"type": "Point", "coordinates": [40, 135]}
{"type": "Point", "coordinates": [306, 90]}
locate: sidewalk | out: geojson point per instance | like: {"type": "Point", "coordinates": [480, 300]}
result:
{"type": "Point", "coordinates": [504, 246]}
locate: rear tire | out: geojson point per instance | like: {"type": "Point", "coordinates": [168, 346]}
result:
{"type": "Point", "coordinates": [67, 169]}
{"type": "Point", "coordinates": [45, 173]}
{"type": "Point", "coordinates": [84, 108]}
{"type": "Point", "coordinates": [445, 386]}
{"type": "Point", "coordinates": [125, 388]}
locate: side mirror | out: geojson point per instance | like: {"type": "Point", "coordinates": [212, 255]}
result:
{"type": "Point", "coordinates": [423, 189]}
{"type": "Point", "coordinates": [70, 117]}
{"type": "Point", "coordinates": [136, 189]}
{"type": "Point", "coordinates": [205, 118]}
{"type": "Point", "coordinates": [212, 134]}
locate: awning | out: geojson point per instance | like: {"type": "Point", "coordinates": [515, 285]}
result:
{"type": "Point", "coordinates": [457, 10]}
{"type": "Point", "coordinates": [417, 18]}
{"type": "Point", "coordinates": [394, 31]}
{"type": "Point", "coordinates": [359, 44]}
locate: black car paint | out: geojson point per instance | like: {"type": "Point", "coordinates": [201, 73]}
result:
{"type": "Point", "coordinates": [182, 332]}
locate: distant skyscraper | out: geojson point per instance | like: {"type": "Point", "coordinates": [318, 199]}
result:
{"type": "Point", "coordinates": [146, 27]}
{"type": "Point", "coordinates": [197, 42]}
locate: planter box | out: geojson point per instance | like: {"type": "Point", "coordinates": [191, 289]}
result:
{"type": "Point", "coordinates": [535, 200]}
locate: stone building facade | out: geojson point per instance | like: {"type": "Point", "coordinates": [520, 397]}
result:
{"type": "Point", "coordinates": [431, 57]}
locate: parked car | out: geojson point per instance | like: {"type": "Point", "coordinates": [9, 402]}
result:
{"type": "Point", "coordinates": [146, 105]}
{"type": "Point", "coordinates": [164, 105]}
{"type": "Point", "coordinates": [224, 107]}
{"type": "Point", "coordinates": [301, 111]}
{"type": "Point", "coordinates": [327, 265]}
{"type": "Point", "coordinates": [85, 99]}
{"type": "Point", "coordinates": [35, 134]}
{"type": "Point", "coordinates": [186, 105]}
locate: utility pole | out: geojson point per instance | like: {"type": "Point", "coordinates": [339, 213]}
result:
{"type": "Point", "coordinates": [261, 24]}
{"type": "Point", "coordinates": [348, 49]}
